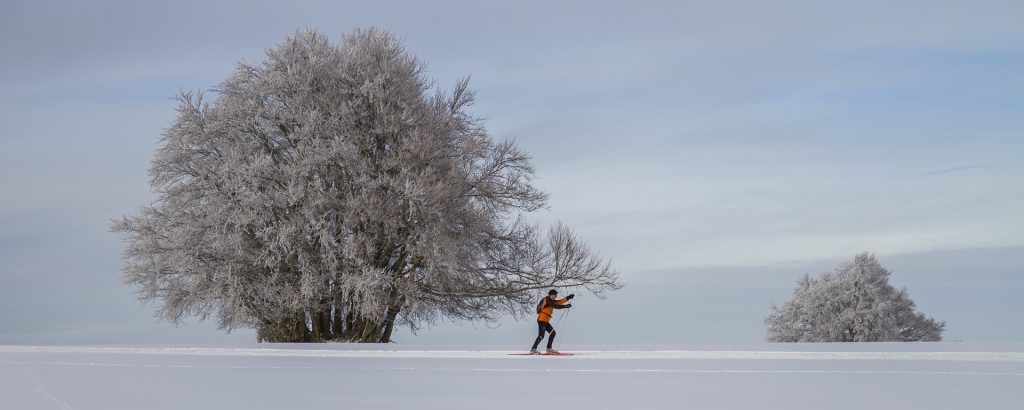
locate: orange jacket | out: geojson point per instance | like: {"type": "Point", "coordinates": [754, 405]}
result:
{"type": "Point", "coordinates": [547, 307]}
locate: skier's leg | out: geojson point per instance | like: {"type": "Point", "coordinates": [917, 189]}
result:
{"type": "Point", "coordinates": [540, 334]}
{"type": "Point", "coordinates": [551, 337]}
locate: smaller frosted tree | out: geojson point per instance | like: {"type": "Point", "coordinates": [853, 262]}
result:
{"type": "Point", "coordinates": [854, 303]}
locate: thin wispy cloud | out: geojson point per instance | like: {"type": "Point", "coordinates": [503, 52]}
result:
{"type": "Point", "coordinates": [971, 167]}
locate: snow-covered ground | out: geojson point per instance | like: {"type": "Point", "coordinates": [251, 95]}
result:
{"type": "Point", "coordinates": [778, 376]}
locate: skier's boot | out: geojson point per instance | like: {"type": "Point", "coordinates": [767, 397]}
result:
{"type": "Point", "coordinates": [534, 351]}
{"type": "Point", "coordinates": [551, 351]}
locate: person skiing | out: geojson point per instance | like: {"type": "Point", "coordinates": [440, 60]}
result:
{"type": "Point", "coordinates": [545, 308]}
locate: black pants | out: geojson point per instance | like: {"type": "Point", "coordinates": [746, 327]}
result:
{"type": "Point", "coordinates": [544, 327]}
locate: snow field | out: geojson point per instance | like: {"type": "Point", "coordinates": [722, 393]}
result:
{"type": "Point", "coordinates": [354, 377]}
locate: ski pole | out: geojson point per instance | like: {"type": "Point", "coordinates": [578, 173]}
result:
{"type": "Point", "coordinates": [565, 313]}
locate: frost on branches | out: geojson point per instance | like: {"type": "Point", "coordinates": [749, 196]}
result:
{"type": "Point", "coordinates": [330, 193]}
{"type": "Point", "coordinates": [854, 303]}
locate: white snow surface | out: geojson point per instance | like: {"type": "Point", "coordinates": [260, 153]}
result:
{"type": "Point", "coordinates": [769, 376]}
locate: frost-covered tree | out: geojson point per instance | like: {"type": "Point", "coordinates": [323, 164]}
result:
{"type": "Point", "coordinates": [330, 192]}
{"type": "Point", "coordinates": [854, 303]}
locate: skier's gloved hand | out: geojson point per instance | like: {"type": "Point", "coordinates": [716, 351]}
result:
{"type": "Point", "coordinates": [568, 306]}
{"type": "Point", "coordinates": [570, 296]}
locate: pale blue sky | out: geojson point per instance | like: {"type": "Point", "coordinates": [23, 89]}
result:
{"type": "Point", "coordinates": [704, 147]}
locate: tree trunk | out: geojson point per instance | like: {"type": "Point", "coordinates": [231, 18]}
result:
{"type": "Point", "coordinates": [337, 321]}
{"type": "Point", "coordinates": [321, 321]}
{"type": "Point", "coordinates": [350, 323]}
{"type": "Point", "coordinates": [371, 333]}
{"type": "Point", "coordinates": [389, 325]}
{"type": "Point", "coordinates": [363, 331]}
{"type": "Point", "coordinates": [286, 328]}
{"type": "Point", "coordinates": [317, 332]}
{"type": "Point", "coordinates": [325, 324]}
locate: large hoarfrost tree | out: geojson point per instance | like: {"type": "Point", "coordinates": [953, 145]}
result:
{"type": "Point", "coordinates": [331, 193]}
{"type": "Point", "coordinates": [854, 303]}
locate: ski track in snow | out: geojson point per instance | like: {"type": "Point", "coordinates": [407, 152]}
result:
{"type": "Point", "coordinates": [489, 370]}
{"type": "Point", "coordinates": [41, 387]}
{"type": "Point", "coordinates": [467, 354]}
{"type": "Point", "coordinates": [580, 355]}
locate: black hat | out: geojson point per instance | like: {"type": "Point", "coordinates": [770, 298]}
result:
{"type": "Point", "coordinates": [552, 292]}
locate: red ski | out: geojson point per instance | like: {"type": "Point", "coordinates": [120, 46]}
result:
{"type": "Point", "coordinates": [542, 354]}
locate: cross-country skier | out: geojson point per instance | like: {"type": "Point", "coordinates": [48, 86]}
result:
{"type": "Point", "coordinates": [544, 310]}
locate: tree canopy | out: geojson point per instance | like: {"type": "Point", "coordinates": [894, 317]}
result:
{"type": "Point", "coordinates": [331, 192]}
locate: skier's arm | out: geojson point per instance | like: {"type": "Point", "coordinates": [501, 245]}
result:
{"type": "Point", "coordinates": [560, 303]}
